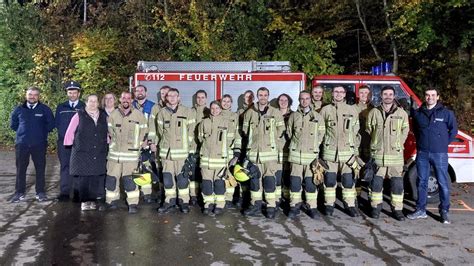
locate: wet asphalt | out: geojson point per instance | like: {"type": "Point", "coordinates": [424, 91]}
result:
{"type": "Point", "coordinates": [58, 233]}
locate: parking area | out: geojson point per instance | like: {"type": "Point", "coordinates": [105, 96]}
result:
{"type": "Point", "coordinates": [59, 233]}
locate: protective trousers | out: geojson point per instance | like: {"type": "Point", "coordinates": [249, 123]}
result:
{"type": "Point", "coordinates": [302, 177]}
{"type": "Point", "coordinates": [347, 180]}
{"type": "Point", "coordinates": [121, 173]}
{"type": "Point", "coordinates": [195, 182]}
{"type": "Point", "coordinates": [175, 182]}
{"type": "Point", "coordinates": [212, 188]}
{"type": "Point", "coordinates": [266, 184]}
{"type": "Point", "coordinates": [394, 173]}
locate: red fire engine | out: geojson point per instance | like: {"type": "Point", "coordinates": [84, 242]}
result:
{"type": "Point", "coordinates": [234, 78]}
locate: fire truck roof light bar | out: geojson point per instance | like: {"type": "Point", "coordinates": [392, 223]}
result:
{"type": "Point", "coordinates": [243, 66]}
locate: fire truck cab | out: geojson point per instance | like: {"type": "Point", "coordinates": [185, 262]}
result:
{"type": "Point", "coordinates": [460, 151]}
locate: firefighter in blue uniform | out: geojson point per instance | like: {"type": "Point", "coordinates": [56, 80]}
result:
{"type": "Point", "coordinates": [64, 112]}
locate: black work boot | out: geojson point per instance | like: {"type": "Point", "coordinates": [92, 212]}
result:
{"type": "Point", "coordinates": [148, 199]}
{"type": "Point", "coordinates": [229, 205]}
{"type": "Point", "coordinates": [376, 211]}
{"type": "Point", "coordinates": [329, 210]}
{"type": "Point", "coordinates": [218, 211]}
{"type": "Point", "coordinates": [193, 201]}
{"type": "Point", "coordinates": [254, 210]}
{"type": "Point", "coordinates": [313, 213]}
{"type": "Point", "coordinates": [208, 210]}
{"type": "Point", "coordinates": [271, 212]}
{"type": "Point", "coordinates": [352, 211]}
{"type": "Point", "coordinates": [132, 208]}
{"type": "Point", "coordinates": [398, 215]}
{"type": "Point", "coordinates": [184, 207]}
{"type": "Point", "coordinates": [167, 206]}
{"type": "Point", "coordinates": [294, 212]}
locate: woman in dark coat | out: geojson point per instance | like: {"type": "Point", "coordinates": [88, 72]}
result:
{"type": "Point", "coordinates": [87, 133]}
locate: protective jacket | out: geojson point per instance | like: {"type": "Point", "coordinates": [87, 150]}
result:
{"type": "Point", "coordinates": [175, 132]}
{"type": "Point", "coordinates": [127, 133]}
{"type": "Point", "coordinates": [234, 140]}
{"type": "Point", "coordinates": [263, 130]}
{"type": "Point", "coordinates": [152, 121]}
{"type": "Point", "coordinates": [306, 131]}
{"type": "Point", "coordinates": [388, 132]}
{"type": "Point", "coordinates": [341, 139]}
{"type": "Point", "coordinates": [316, 105]}
{"type": "Point", "coordinates": [216, 137]}
{"type": "Point", "coordinates": [364, 148]}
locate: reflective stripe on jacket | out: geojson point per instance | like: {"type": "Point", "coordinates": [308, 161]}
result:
{"type": "Point", "coordinates": [388, 134]}
{"type": "Point", "coordinates": [341, 139]}
{"type": "Point", "coordinates": [306, 133]}
{"type": "Point", "coordinates": [216, 135]}
{"type": "Point", "coordinates": [263, 132]}
{"type": "Point", "coordinates": [175, 132]}
{"type": "Point", "coordinates": [127, 133]}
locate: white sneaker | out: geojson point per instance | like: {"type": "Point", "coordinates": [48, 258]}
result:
{"type": "Point", "coordinates": [84, 206]}
{"type": "Point", "coordinates": [92, 206]}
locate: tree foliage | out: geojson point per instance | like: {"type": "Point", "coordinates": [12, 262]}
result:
{"type": "Point", "coordinates": [47, 44]}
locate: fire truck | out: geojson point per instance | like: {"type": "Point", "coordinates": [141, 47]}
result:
{"type": "Point", "coordinates": [460, 151]}
{"type": "Point", "coordinates": [220, 78]}
{"type": "Point", "coordinates": [234, 78]}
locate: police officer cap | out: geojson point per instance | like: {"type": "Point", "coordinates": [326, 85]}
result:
{"type": "Point", "coordinates": [72, 85]}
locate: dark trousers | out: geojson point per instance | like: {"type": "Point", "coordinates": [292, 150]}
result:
{"type": "Point", "coordinates": [38, 155]}
{"type": "Point", "coordinates": [66, 181]}
{"type": "Point", "coordinates": [90, 187]}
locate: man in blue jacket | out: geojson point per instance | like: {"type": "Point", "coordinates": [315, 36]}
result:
{"type": "Point", "coordinates": [434, 127]}
{"type": "Point", "coordinates": [64, 113]}
{"type": "Point", "coordinates": [32, 121]}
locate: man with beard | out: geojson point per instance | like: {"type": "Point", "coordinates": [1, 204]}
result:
{"type": "Point", "coordinates": [127, 129]}
{"type": "Point", "coordinates": [32, 121]}
{"type": "Point", "coordinates": [317, 94]}
{"type": "Point", "coordinates": [388, 129]}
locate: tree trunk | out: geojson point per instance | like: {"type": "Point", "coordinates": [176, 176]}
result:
{"type": "Point", "coordinates": [392, 40]}
{"type": "Point", "coordinates": [369, 36]}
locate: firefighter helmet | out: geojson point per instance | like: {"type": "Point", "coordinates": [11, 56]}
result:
{"type": "Point", "coordinates": [142, 179]}
{"type": "Point", "coordinates": [240, 173]}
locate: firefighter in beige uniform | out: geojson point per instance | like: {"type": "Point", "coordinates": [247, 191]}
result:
{"type": "Point", "coordinates": [152, 138]}
{"type": "Point", "coordinates": [306, 130]}
{"type": "Point", "coordinates": [340, 144]}
{"type": "Point", "coordinates": [201, 111]}
{"type": "Point", "coordinates": [127, 130]}
{"type": "Point", "coordinates": [175, 128]}
{"type": "Point", "coordinates": [216, 135]}
{"type": "Point", "coordinates": [263, 125]}
{"type": "Point", "coordinates": [388, 127]}
{"type": "Point", "coordinates": [364, 106]}
{"type": "Point", "coordinates": [233, 142]}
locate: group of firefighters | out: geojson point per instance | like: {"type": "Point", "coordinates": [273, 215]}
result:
{"type": "Point", "coordinates": [279, 158]}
